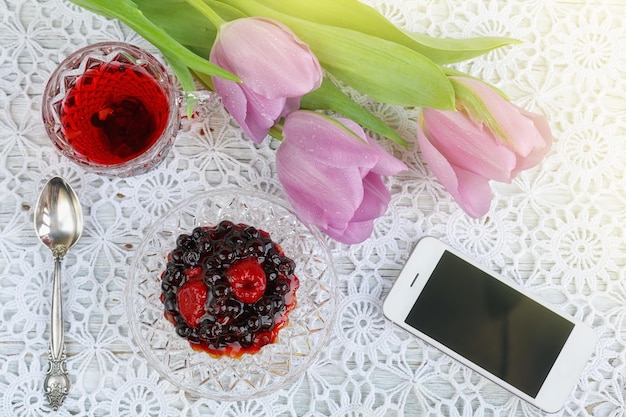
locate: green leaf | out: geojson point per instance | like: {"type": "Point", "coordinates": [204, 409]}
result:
{"type": "Point", "coordinates": [447, 50]}
{"type": "Point", "coordinates": [330, 97]}
{"type": "Point", "coordinates": [181, 21]}
{"type": "Point", "coordinates": [381, 69]}
{"type": "Point", "coordinates": [186, 80]}
{"type": "Point", "coordinates": [451, 72]}
{"type": "Point", "coordinates": [128, 12]}
{"type": "Point", "coordinates": [204, 79]}
{"type": "Point", "coordinates": [355, 15]}
{"type": "Point", "coordinates": [349, 14]}
{"type": "Point", "coordinates": [225, 10]}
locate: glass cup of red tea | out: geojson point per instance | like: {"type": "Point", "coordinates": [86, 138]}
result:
{"type": "Point", "coordinates": [112, 108]}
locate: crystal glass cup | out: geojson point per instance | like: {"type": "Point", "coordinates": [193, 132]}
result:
{"type": "Point", "coordinates": [113, 108]}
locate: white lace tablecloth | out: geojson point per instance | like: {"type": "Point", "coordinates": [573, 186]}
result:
{"type": "Point", "coordinates": [558, 230]}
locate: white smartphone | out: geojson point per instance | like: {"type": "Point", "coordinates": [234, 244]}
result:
{"type": "Point", "coordinates": [493, 327]}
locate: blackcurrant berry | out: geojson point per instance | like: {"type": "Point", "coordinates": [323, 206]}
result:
{"type": "Point", "coordinates": [185, 241]}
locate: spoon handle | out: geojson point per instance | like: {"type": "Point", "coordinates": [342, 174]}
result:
{"type": "Point", "coordinates": [57, 382]}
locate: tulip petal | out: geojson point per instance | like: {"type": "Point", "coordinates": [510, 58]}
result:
{"type": "Point", "coordinates": [233, 99]}
{"type": "Point", "coordinates": [471, 191]}
{"type": "Point", "coordinates": [291, 104]}
{"type": "Point", "coordinates": [286, 67]}
{"type": "Point", "coordinates": [537, 154]}
{"type": "Point", "coordinates": [520, 131]}
{"type": "Point", "coordinates": [467, 146]}
{"type": "Point", "coordinates": [321, 195]}
{"type": "Point", "coordinates": [254, 114]}
{"type": "Point", "coordinates": [388, 164]}
{"type": "Point", "coordinates": [321, 138]}
{"type": "Point", "coordinates": [262, 114]}
{"type": "Point", "coordinates": [474, 193]}
{"type": "Point", "coordinates": [376, 199]}
{"type": "Point", "coordinates": [355, 232]}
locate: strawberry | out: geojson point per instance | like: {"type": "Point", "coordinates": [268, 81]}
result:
{"type": "Point", "coordinates": [191, 298]}
{"type": "Point", "coordinates": [195, 272]}
{"type": "Point", "coordinates": [247, 280]}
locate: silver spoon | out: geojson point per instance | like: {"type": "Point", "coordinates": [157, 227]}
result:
{"type": "Point", "coordinates": [59, 224]}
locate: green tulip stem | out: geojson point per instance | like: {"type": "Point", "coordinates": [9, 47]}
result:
{"type": "Point", "coordinates": [276, 132]}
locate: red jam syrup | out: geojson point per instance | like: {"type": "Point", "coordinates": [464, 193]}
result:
{"type": "Point", "coordinates": [228, 289]}
{"type": "Point", "coordinates": [114, 112]}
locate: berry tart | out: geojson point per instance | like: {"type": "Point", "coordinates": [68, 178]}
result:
{"type": "Point", "coordinates": [228, 289]}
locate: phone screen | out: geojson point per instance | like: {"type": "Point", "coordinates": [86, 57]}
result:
{"type": "Point", "coordinates": [489, 323]}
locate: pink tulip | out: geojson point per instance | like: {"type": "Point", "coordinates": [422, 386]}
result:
{"type": "Point", "coordinates": [332, 174]}
{"type": "Point", "coordinates": [276, 69]}
{"type": "Point", "coordinates": [465, 152]}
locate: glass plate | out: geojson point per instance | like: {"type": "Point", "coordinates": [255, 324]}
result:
{"type": "Point", "coordinates": [253, 375]}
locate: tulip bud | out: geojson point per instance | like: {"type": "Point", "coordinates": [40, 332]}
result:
{"type": "Point", "coordinates": [332, 174]}
{"type": "Point", "coordinates": [275, 67]}
{"type": "Point", "coordinates": [486, 138]}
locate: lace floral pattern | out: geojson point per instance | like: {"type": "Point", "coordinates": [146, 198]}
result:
{"type": "Point", "coordinates": [557, 230]}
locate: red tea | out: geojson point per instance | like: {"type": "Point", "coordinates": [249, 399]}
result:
{"type": "Point", "coordinates": [114, 112]}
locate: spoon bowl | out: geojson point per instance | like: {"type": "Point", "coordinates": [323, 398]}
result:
{"type": "Point", "coordinates": [58, 224]}
{"type": "Point", "coordinates": [58, 216]}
